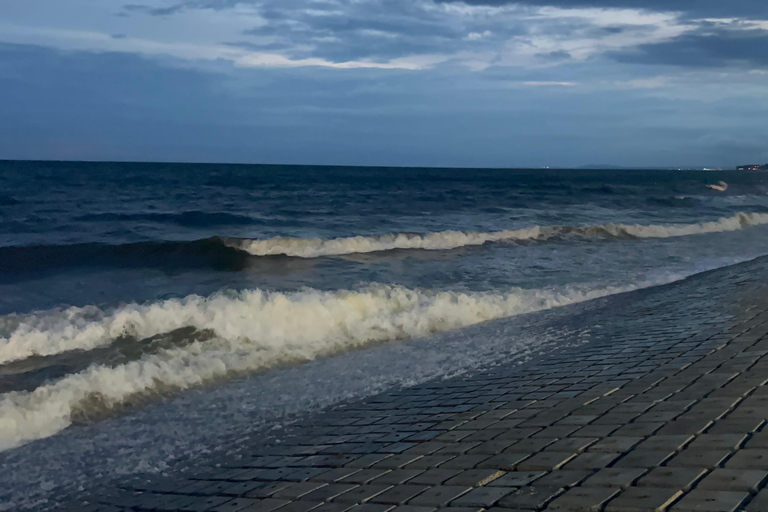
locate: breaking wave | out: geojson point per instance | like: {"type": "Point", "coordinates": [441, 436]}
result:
{"type": "Point", "coordinates": [244, 332]}
{"type": "Point", "coordinates": [444, 240]}
{"type": "Point", "coordinates": [233, 254]}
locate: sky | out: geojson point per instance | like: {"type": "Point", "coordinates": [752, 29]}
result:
{"type": "Point", "coordinates": [473, 83]}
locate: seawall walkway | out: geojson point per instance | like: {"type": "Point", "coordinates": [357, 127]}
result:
{"type": "Point", "coordinates": [664, 408]}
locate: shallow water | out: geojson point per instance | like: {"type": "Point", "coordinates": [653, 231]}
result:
{"type": "Point", "coordinates": [139, 298]}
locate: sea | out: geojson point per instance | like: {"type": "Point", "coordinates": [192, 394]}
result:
{"type": "Point", "coordinates": [152, 314]}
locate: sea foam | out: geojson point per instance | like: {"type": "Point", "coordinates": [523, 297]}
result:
{"type": "Point", "coordinates": [445, 240]}
{"type": "Point", "coordinates": [248, 331]}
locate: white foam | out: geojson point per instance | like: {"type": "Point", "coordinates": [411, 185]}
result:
{"type": "Point", "coordinates": [444, 240]}
{"type": "Point", "coordinates": [253, 330]}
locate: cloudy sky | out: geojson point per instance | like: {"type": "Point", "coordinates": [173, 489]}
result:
{"type": "Point", "coordinates": [500, 83]}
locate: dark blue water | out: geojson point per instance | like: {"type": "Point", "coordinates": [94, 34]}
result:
{"type": "Point", "coordinates": [128, 289]}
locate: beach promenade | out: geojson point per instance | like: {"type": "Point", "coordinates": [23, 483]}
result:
{"type": "Point", "coordinates": [663, 407]}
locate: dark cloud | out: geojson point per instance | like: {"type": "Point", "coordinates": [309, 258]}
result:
{"type": "Point", "coordinates": [717, 48]}
{"type": "Point", "coordinates": [378, 30]}
{"type": "Point", "coordinates": [756, 8]}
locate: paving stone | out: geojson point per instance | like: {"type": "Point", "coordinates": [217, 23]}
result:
{"type": "Point", "coordinates": [690, 426]}
{"type": "Point", "coordinates": [475, 477]}
{"type": "Point", "coordinates": [528, 446]}
{"type": "Point", "coordinates": [332, 507]}
{"type": "Point", "coordinates": [328, 492]}
{"type": "Point", "coordinates": [719, 441]}
{"type": "Point", "coordinates": [363, 476]}
{"type": "Point", "coordinates": [736, 426]}
{"type": "Point", "coordinates": [597, 431]}
{"type": "Point", "coordinates": [571, 444]}
{"type": "Point", "coordinates": [296, 506]}
{"type": "Point", "coordinates": [504, 461]}
{"type": "Point", "coordinates": [530, 498]}
{"type": "Point", "coordinates": [397, 476]}
{"type": "Point", "coordinates": [517, 478]}
{"type": "Point", "coordinates": [644, 459]}
{"type": "Point", "coordinates": [428, 461]}
{"type": "Point", "coordinates": [749, 459]}
{"type": "Point", "coordinates": [614, 444]}
{"type": "Point", "coordinates": [592, 460]}
{"type": "Point", "coordinates": [399, 494]}
{"type": "Point", "coordinates": [734, 480]}
{"type": "Point", "coordinates": [546, 461]}
{"type": "Point", "coordinates": [711, 501]}
{"type": "Point", "coordinates": [563, 478]}
{"type": "Point", "coordinates": [265, 505]}
{"type": "Point", "coordinates": [586, 499]}
{"type": "Point", "coordinates": [638, 429]}
{"type": "Point", "coordinates": [267, 490]}
{"type": "Point", "coordinates": [370, 507]}
{"type": "Point", "coordinates": [482, 497]}
{"type": "Point", "coordinates": [665, 442]}
{"type": "Point", "coordinates": [439, 496]}
{"type": "Point", "coordinates": [759, 503]}
{"type": "Point", "coordinates": [435, 476]}
{"type": "Point", "coordinates": [672, 477]}
{"type": "Point", "coordinates": [644, 499]}
{"type": "Point", "coordinates": [699, 458]}
{"type": "Point", "coordinates": [614, 477]}
{"type": "Point", "coordinates": [361, 493]}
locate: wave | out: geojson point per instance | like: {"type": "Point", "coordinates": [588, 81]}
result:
{"type": "Point", "coordinates": [232, 254]}
{"type": "Point", "coordinates": [444, 240]}
{"type": "Point", "coordinates": [243, 332]}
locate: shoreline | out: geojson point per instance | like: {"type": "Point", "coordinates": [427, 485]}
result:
{"type": "Point", "coordinates": [646, 337]}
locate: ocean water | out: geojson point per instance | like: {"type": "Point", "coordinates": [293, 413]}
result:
{"type": "Point", "coordinates": [148, 311]}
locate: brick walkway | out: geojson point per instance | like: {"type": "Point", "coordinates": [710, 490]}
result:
{"type": "Point", "coordinates": [663, 409]}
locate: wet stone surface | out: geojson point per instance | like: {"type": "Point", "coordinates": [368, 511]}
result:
{"type": "Point", "coordinates": [663, 407]}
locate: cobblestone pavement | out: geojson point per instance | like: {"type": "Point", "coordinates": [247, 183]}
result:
{"type": "Point", "coordinates": [664, 409]}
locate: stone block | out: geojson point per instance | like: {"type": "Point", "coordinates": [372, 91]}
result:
{"type": "Point", "coordinates": [711, 501]}
{"type": "Point", "coordinates": [439, 496]}
{"type": "Point", "coordinates": [428, 461]}
{"type": "Point", "coordinates": [584, 499]}
{"type": "Point", "coordinates": [475, 477]}
{"type": "Point", "coordinates": [397, 476]}
{"type": "Point", "coordinates": [504, 461]}
{"type": "Point", "coordinates": [563, 478]}
{"type": "Point", "coordinates": [361, 493]}
{"type": "Point", "coordinates": [328, 492]}
{"type": "Point", "coordinates": [644, 499]}
{"type": "Point", "coordinates": [749, 459]}
{"type": "Point", "coordinates": [614, 477]}
{"type": "Point", "coordinates": [720, 479]}
{"type": "Point", "coordinates": [546, 461]}
{"type": "Point", "coordinates": [638, 429]}
{"type": "Point", "coordinates": [530, 498]}
{"type": "Point", "coordinates": [435, 476]}
{"type": "Point", "coordinates": [672, 477]}
{"type": "Point", "coordinates": [615, 444]}
{"type": "Point", "coordinates": [699, 458]}
{"type": "Point", "coordinates": [482, 497]}
{"type": "Point", "coordinates": [691, 426]}
{"type": "Point", "coordinates": [517, 478]}
{"type": "Point", "coordinates": [591, 460]}
{"type": "Point", "coordinates": [297, 490]}
{"type": "Point", "coordinates": [571, 444]}
{"type": "Point", "coordinates": [644, 458]}
{"type": "Point", "coordinates": [399, 494]}
{"type": "Point", "coordinates": [363, 476]}
{"type": "Point", "coordinates": [719, 441]}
